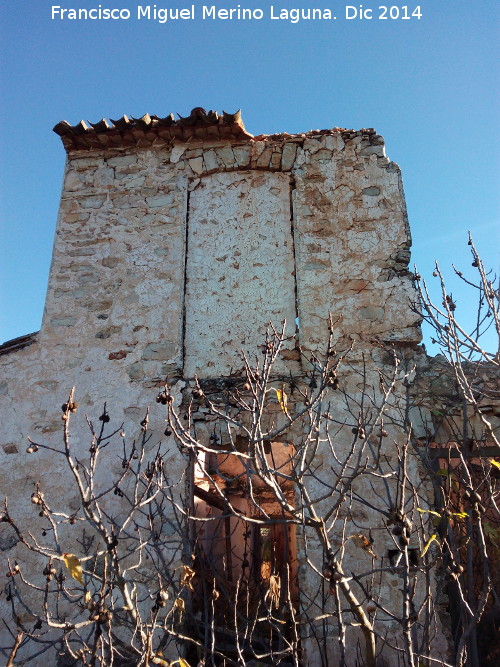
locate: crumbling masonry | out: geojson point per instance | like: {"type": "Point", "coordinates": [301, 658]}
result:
{"type": "Point", "coordinates": [177, 242]}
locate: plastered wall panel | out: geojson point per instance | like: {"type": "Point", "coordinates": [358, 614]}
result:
{"type": "Point", "coordinates": [240, 271]}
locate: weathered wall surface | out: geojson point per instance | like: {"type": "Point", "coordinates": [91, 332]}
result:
{"type": "Point", "coordinates": [313, 224]}
{"type": "Point", "coordinates": [171, 256]}
{"type": "Point", "coordinates": [240, 267]}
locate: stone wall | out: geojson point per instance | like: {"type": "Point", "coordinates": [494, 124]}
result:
{"type": "Point", "coordinates": [174, 249]}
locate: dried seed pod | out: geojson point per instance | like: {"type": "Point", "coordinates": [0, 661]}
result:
{"type": "Point", "coordinates": [333, 382]}
{"type": "Point", "coordinates": [164, 398]}
{"type": "Point", "coordinates": [247, 386]}
{"type": "Point", "coordinates": [161, 603]}
{"type": "Point", "coordinates": [327, 571]}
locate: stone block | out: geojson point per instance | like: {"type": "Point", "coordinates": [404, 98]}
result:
{"type": "Point", "coordinates": [162, 351]}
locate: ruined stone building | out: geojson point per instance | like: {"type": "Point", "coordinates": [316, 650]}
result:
{"type": "Point", "coordinates": [177, 242]}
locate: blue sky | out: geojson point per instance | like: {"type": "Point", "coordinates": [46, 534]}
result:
{"type": "Point", "coordinates": [427, 85]}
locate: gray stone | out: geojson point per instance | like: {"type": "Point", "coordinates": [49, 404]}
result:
{"type": "Point", "coordinates": [288, 157]}
{"type": "Point", "coordinates": [372, 191]}
{"type": "Point", "coordinates": [63, 321]}
{"type": "Point", "coordinates": [373, 150]}
{"type": "Point", "coordinates": [226, 155]}
{"type": "Point", "coordinates": [372, 313]}
{"type": "Point", "coordinates": [110, 262]}
{"type": "Point", "coordinates": [196, 165]}
{"type": "Point", "coordinates": [82, 252]}
{"type": "Point", "coordinates": [210, 160]}
{"type": "Point", "coordinates": [122, 160]}
{"type": "Point", "coordinates": [136, 371]}
{"type": "Point", "coordinates": [109, 331]}
{"type": "Point", "coordinates": [159, 351]}
{"type": "Point", "coordinates": [92, 201]}
{"type": "Point", "coordinates": [160, 200]}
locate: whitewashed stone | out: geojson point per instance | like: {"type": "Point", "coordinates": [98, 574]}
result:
{"type": "Point", "coordinates": [168, 262]}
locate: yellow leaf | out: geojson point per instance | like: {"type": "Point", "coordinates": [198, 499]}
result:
{"type": "Point", "coordinates": [74, 566]}
{"type": "Point", "coordinates": [461, 515]}
{"type": "Point", "coordinates": [183, 663]}
{"type": "Point", "coordinates": [187, 576]}
{"type": "Point", "coordinates": [87, 598]}
{"type": "Point", "coordinates": [495, 463]}
{"type": "Point", "coordinates": [428, 544]}
{"type": "Point", "coordinates": [282, 399]}
{"type": "Point", "coordinates": [428, 512]}
{"type": "Point", "coordinates": [275, 589]}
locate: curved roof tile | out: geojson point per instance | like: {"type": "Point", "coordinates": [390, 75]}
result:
{"type": "Point", "coordinates": [144, 131]}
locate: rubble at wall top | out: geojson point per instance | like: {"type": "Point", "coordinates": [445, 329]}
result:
{"type": "Point", "coordinates": [200, 125]}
